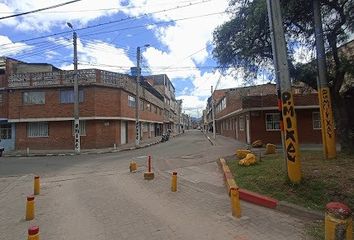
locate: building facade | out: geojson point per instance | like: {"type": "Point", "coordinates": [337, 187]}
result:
{"type": "Point", "coordinates": [251, 113]}
{"type": "Point", "coordinates": [37, 107]}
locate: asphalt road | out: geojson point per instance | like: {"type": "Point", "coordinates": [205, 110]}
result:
{"type": "Point", "coordinates": [96, 197]}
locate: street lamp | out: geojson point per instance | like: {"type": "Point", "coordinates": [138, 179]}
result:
{"type": "Point", "coordinates": [137, 121]}
{"type": "Point", "coordinates": [76, 94]}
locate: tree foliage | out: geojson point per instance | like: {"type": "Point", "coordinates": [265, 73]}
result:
{"type": "Point", "coordinates": [244, 42]}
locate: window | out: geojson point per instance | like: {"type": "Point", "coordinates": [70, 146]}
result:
{"type": "Point", "coordinates": [272, 121]}
{"type": "Point", "coordinates": [148, 107]}
{"type": "Point", "coordinates": [37, 129]}
{"type": "Point", "coordinates": [241, 123]}
{"type": "Point", "coordinates": [316, 120]}
{"type": "Point", "coordinates": [67, 96]}
{"type": "Point", "coordinates": [131, 101]}
{"type": "Point", "coordinates": [82, 128]}
{"type": "Point", "coordinates": [5, 131]}
{"type": "Point", "coordinates": [33, 97]}
{"type": "Point", "coordinates": [1, 98]}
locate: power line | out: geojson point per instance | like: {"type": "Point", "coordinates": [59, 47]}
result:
{"type": "Point", "coordinates": [116, 21]}
{"type": "Point", "coordinates": [39, 10]}
{"type": "Point", "coordinates": [99, 10]}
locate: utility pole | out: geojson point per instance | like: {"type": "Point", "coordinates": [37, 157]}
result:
{"type": "Point", "coordinates": [76, 96]}
{"type": "Point", "coordinates": [276, 71]}
{"type": "Point", "coordinates": [324, 96]}
{"type": "Point", "coordinates": [137, 121]}
{"type": "Point", "coordinates": [288, 109]}
{"type": "Point", "coordinates": [213, 112]}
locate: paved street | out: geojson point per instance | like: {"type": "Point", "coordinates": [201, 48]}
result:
{"type": "Point", "coordinates": [96, 197]}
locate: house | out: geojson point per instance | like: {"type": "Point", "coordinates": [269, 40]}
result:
{"type": "Point", "coordinates": [251, 113]}
{"type": "Point", "coordinates": [37, 107]}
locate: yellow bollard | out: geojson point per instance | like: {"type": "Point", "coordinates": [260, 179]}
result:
{"type": "Point", "coordinates": [338, 222]}
{"type": "Point", "coordinates": [235, 202]}
{"type": "Point", "coordinates": [174, 182]}
{"type": "Point", "coordinates": [133, 166]}
{"type": "Point", "coordinates": [30, 208]}
{"type": "Point", "coordinates": [36, 186]}
{"type": "Point", "coordinates": [33, 233]}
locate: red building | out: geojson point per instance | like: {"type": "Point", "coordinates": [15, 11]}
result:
{"type": "Point", "coordinates": [250, 113]}
{"type": "Point", "coordinates": [38, 107]}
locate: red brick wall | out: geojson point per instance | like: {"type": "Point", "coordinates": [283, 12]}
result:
{"type": "Point", "coordinates": [60, 137]}
{"type": "Point", "coordinates": [51, 108]}
{"type": "Point", "coordinates": [306, 132]}
{"type": "Point", "coordinates": [99, 134]}
{"type": "Point", "coordinates": [305, 128]}
{"type": "Point", "coordinates": [106, 101]}
{"type": "Point", "coordinates": [258, 128]}
{"type": "Point", "coordinates": [107, 133]}
{"type": "Point", "coordinates": [131, 132]}
{"type": "Point", "coordinates": [4, 105]}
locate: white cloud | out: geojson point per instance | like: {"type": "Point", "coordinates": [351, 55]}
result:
{"type": "Point", "coordinates": [79, 13]}
{"type": "Point", "coordinates": [9, 48]}
{"type": "Point", "coordinates": [99, 54]}
{"type": "Point", "coordinates": [5, 11]}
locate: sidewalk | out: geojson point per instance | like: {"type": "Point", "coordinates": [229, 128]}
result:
{"type": "Point", "coordinates": [307, 147]}
{"type": "Point", "coordinates": [69, 152]}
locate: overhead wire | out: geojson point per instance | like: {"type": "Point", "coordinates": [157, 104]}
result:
{"type": "Point", "coordinates": [39, 10]}
{"type": "Point", "coordinates": [98, 10]}
{"type": "Point", "coordinates": [110, 22]}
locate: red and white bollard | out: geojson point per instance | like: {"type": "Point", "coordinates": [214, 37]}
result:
{"type": "Point", "coordinates": [149, 175]}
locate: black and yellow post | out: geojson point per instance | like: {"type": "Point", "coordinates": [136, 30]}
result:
{"type": "Point", "coordinates": [338, 222]}
{"type": "Point", "coordinates": [324, 96]}
{"type": "Point", "coordinates": [36, 185]}
{"type": "Point", "coordinates": [291, 142]}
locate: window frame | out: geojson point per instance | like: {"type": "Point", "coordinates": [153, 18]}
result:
{"type": "Point", "coordinates": [317, 120]}
{"type": "Point", "coordinates": [81, 96]}
{"type": "Point", "coordinates": [32, 92]}
{"type": "Point", "coordinates": [6, 128]}
{"type": "Point", "coordinates": [130, 101]}
{"type": "Point", "coordinates": [273, 122]}
{"type": "Point", "coordinates": [30, 131]}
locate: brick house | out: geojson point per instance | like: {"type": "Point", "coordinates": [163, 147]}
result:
{"type": "Point", "coordinates": [37, 103]}
{"type": "Point", "coordinates": [250, 113]}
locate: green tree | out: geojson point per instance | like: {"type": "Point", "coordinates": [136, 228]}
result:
{"type": "Point", "coordinates": [244, 42]}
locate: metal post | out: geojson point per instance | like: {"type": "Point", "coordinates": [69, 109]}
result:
{"type": "Point", "coordinates": [137, 121]}
{"type": "Point", "coordinates": [76, 99]}
{"type": "Point", "coordinates": [213, 112]}
{"type": "Point", "coordinates": [326, 112]}
{"type": "Point", "coordinates": [288, 109]}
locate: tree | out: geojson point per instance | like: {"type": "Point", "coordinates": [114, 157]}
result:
{"type": "Point", "coordinates": [244, 42]}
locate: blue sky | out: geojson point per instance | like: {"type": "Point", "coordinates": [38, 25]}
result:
{"type": "Point", "coordinates": [181, 48]}
{"type": "Point", "coordinates": [179, 32]}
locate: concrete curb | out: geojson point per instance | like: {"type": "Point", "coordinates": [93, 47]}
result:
{"type": "Point", "coordinates": [211, 142]}
{"type": "Point", "coordinates": [228, 177]}
{"type": "Point", "coordinates": [265, 201]}
{"type": "Point", "coordinates": [83, 153]}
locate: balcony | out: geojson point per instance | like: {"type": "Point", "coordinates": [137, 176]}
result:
{"type": "Point", "coordinates": [66, 78]}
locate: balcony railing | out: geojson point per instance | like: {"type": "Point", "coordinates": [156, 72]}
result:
{"type": "Point", "coordinates": [63, 78]}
